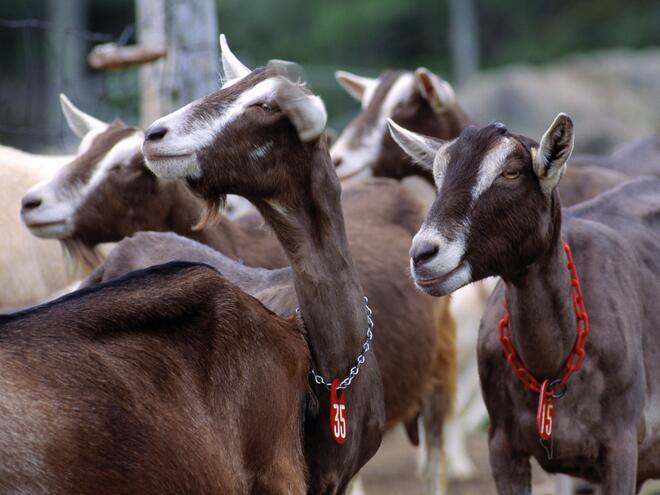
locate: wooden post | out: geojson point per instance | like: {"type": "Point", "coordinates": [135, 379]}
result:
{"type": "Point", "coordinates": [64, 71]}
{"type": "Point", "coordinates": [189, 32]}
{"type": "Point", "coordinates": [463, 39]}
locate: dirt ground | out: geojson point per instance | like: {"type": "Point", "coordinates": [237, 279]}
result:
{"type": "Point", "coordinates": [393, 471]}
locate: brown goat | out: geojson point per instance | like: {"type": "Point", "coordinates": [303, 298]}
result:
{"type": "Point", "coordinates": [498, 213]}
{"type": "Point", "coordinates": [417, 333]}
{"type": "Point", "coordinates": [211, 145]}
{"type": "Point", "coordinates": [134, 387]}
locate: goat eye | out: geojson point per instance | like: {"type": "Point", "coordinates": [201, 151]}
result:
{"type": "Point", "coordinates": [114, 168]}
{"type": "Point", "coordinates": [266, 107]}
{"type": "Point", "coordinates": [511, 174]}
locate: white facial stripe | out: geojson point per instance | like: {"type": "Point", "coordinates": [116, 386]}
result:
{"type": "Point", "coordinates": [440, 164]}
{"type": "Point", "coordinates": [120, 154]}
{"type": "Point", "coordinates": [356, 159]}
{"type": "Point", "coordinates": [400, 91]}
{"type": "Point", "coordinates": [206, 130]}
{"type": "Point", "coordinates": [61, 199]}
{"type": "Point", "coordinates": [492, 166]}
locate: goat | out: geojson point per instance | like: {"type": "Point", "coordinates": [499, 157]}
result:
{"type": "Point", "coordinates": [498, 213]}
{"type": "Point", "coordinates": [30, 269]}
{"type": "Point", "coordinates": [177, 355]}
{"type": "Point", "coordinates": [292, 183]}
{"type": "Point", "coordinates": [417, 353]}
{"type": "Point", "coordinates": [423, 102]}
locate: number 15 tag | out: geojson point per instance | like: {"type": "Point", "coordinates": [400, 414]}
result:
{"type": "Point", "coordinates": [338, 417]}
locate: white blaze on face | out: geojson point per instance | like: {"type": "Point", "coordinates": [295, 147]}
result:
{"type": "Point", "coordinates": [60, 198]}
{"type": "Point", "coordinates": [449, 261]}
{"type": "Point", "coordinates": [492, 166]}
{"type": "Point", "coordinates": [357, 157]}
{"type": "Point", "coordinates": [174, 156]}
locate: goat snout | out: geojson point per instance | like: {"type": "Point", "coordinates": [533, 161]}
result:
{"type": "Point", "coordinates": [423, 251]}
{"type": "Point", "coordinates": [155, 133]}
{"type": "Point", "coordinates": [30, 202]}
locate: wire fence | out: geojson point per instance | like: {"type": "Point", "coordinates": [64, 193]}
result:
{"type": "Point", "coordinates": [29, 107]}
{"type": "Point", "coordinates": [53, 61]}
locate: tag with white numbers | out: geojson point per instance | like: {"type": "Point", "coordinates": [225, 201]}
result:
{"type": "Point", "coordinates": [338, 417]}
{"type": "Point", "coordinates": [545, 413]}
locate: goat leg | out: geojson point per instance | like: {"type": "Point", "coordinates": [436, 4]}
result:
{"type": "Point", "coordinates": [511, 470]}
{"type": "Point", "coordinates": [620, 469]}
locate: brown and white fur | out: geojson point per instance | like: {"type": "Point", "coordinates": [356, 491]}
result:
{"type": "Point", "coordinates": [210, 144]}
{"type": "Point", "coordinates": [107, 193]}
{"type": "Point", "coordinates": [416, 347]}
{"type": "Point", "coordinates": [498, 213]}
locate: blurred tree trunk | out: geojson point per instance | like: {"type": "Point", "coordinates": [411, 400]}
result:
{"type": "Point", "coordinates": [188, 30]}
{"type": "Point", "coordinates": [463, 39]}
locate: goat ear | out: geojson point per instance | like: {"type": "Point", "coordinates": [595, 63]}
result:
{"type": "Point", "coordinates": [420, 148]}
{"type": "Point", "coordinates": [553, 152]}
{"type": "Point", "coordinates": [306, 111]}
{"type": "Point", "coordinates": [436, 91]}
{"type": "Point", "coordinates": [231, 66]}
{"type": "Point", "coordinates": [79, 122]}
{"type": "Point", "coordinates": [355, 85]}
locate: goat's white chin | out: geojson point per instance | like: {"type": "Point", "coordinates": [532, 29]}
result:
{"type": "Point", "coordinates": [174, 166]}
{"type": "Point", "coordinates": [442, 285]}
{"type": "Point", "coordinates": [60, 229]}
{"type": "Point", "coordinates": [49, 223]}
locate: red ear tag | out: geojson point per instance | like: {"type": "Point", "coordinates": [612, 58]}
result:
{"type": "Point", "coordinates": [545, 413]}
{"type": "Point", "coordinates": [338, 417]}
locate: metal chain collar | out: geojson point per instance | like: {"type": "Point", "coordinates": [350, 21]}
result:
{"type": "Point", "coordinates": [360, 358]}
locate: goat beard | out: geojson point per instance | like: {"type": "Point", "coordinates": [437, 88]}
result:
{"type": "Point", "coordinates": [211, 211]}
{"type": "Point", "coordinates": [81, 256]}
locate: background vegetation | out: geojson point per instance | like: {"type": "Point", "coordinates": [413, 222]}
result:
{"type": "Point", "coordinates": [365, 36]}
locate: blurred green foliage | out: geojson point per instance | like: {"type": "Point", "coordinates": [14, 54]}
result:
{"type": "Point", "coordinates": [365, 36]}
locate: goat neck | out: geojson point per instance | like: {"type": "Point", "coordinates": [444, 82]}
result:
{"type": "Point", "coordinates": [541, 314]}
{"type": "Point", "coordinates": [311, 231]}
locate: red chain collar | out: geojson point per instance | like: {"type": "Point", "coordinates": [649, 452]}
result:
{"type": "Point", "coordinates": [546, 389]}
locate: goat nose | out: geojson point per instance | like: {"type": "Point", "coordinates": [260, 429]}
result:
{"type": "Point", "coordinates": [30, 202]}
{"type": "Point", "coordinates": [155, 133]}
{"type": "Point", "coordinates": [423, 251]}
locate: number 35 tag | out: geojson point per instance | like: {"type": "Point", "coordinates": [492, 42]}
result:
{"type": "Point", "coordinates": [338, 418]}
